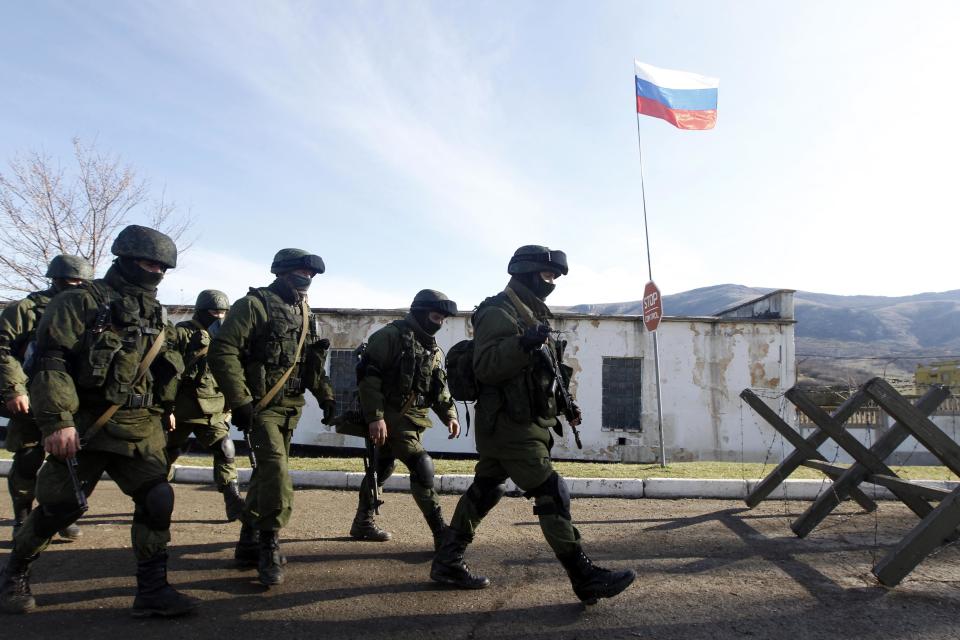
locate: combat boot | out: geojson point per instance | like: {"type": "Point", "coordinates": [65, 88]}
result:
{"type": "Point", "coordinates": [364, 527]}
{"type": "Point", "coordinates": [70, 532]}
{"type": "Point", "coordinates": [448, 565]}
{"type": "Point", "coordinates": [437, 527]}
{"type": "Point", "coordinates": [247, 553]}
{"type": "Point", "coordinates": [155, 596]}
{"type": "Point", "coordinates": [232, 501]}
{"type": "Point", "coordinates": [21, 510]}
{"type": "Point", "coordinates": [270, 567]}
{"type": "Point", "coordinates": [591, 582]}
{"type": "Point", "coordinates": [15, 596]}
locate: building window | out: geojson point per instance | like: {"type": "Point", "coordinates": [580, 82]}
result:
{"type": "Point", "coordinates": [622, 385]}
{"type": "Point", "coordinates": [343, 377]}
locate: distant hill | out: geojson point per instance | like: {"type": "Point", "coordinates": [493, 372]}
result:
{"type": "Point", "coordinates": [840, 339]}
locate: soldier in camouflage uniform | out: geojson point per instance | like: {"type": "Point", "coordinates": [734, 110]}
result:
{"type": "Point", "coordinates": [515, 411]}
{"type": "Point", "coordinates": [266, 353]}
{"type": "Point", "coordinates": [401, 379]}
{"type": "Point", "coordinates": [200, 405]}
{"type": "Point", "coordinates": [104, 384]}
{"type": "Point", "coordinates": [18, 327]}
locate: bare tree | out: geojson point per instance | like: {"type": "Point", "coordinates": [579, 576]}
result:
{"type": "Point", "coordinates": [46, 210]}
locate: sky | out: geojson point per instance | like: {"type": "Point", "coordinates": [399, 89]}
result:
{"type": "Point", "coordinates": [417, 144]}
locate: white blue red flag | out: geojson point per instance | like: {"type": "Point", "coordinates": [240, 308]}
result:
{"type": "Point", "coordinates": [685, 100]}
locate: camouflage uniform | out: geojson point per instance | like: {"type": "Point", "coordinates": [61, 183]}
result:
{"type": "Point", "coordinates": [253, 349]}
{"type": "Point", "coordinates": [200, 405]}
{"type": "Point", "coordinates": [515, 411]}
{"type": "Point", "coordinates": [402, 378]}
{"type": "Point", "coordinates": [18, 325]}
{"type": "Point", "coordinates": [90, 344]}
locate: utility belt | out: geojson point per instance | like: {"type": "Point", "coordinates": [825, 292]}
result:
{"type": "Point", "coordinates": [138, 401]}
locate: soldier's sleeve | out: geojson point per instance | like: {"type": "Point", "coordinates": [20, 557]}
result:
{"type": "Point", "coordinates": [14, 323]}
{"type": "Point", "coordinates": [53, 394]}
{"type": "Point", "coordinates": [230, 347]}
{"type": "Point", "coordinates": [167, 368]}
{"type": "Point", "coordinates": [382, 349]}
{"type": "Point", "coordinates": [497, 355]}
{"type": "Point", "coordinates": [444, 406]}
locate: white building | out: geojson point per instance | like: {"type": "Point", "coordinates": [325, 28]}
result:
{"type": "Point", "coordinates": [705, 363]}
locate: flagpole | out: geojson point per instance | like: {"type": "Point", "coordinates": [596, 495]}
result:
{"type": "Point", "coordinates": [656, 345]}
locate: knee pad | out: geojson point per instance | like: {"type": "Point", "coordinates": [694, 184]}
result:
{"type": "Point", "coordinates": [420, 465]}
{"type": "Point", "coordinates": [54, 517]}
{"type": "Point", "coordinates": [27, 461]}
{"type": "Point", "coordinates": [552, 497]}
{"type": "Point", "coordinates": [229, 451]}
{"type": "Point", "coordinates": [154, 505]}
{"type": "Point", "coordinates": [385, 468]}
{"type": "Point", "coordinates": [485, 493]}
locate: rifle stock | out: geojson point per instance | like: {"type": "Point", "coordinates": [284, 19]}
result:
{"type": "Point", "coordinates": [371, 460]}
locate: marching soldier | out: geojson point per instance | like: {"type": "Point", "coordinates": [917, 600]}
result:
{"type": "Point", "coordinates": [401, 379]}
{"type": "Point", "coordinates": [200, 405]}
{"type": "Point", "coordinates": [266, 353]}
{"type": "Point", "coordinates": [18, 327]}
{"type": "Point", "coordinates": [515, 411]}
{"type": "Point", "coordinates": [104, 386]}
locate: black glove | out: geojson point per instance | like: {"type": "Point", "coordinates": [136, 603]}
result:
{"type": "Point", "coordinates": [242, 416]}
{"type": "Point", "coordinates": [329, 408]}
{"type": "Point", "coordinates": [534, 337]}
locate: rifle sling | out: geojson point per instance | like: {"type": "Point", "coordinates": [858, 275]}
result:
{"type": "Point", "coordinates": [265, 400]}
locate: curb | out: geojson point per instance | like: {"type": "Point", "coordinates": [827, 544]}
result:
{"type": "Point", "coordinates": [652, 488]}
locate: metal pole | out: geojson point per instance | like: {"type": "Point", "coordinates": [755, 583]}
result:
{"type": "Point", "coordinates": [656, 344]}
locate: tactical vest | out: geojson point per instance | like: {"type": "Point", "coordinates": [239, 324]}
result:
{"type": "Point", "coordinates": [113, 347]}
{"type": "Point", "coordinates": [197, 380]}
{"type": "Point", "coordinates": [528, 396]}
{"type": "Point", "coordinates": [416, 376]}
{"type": "Point", "coordinates": [272, 352]}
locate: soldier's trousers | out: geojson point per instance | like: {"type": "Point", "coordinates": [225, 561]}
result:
{"type": "Point", "coordinates": [405, 445]}
{"type": "Point", "coordinates": [269, 501]}
{"type": "Point", "coordinates": [23, 439]}
{"type": "Point", "coordinates": [528, 474]}
{"type": "Point", "coordinates": [209, 434]}
{"type": "Point", "coordinates": [137, 476]}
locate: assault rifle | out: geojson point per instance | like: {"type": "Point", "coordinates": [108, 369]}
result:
{"type": "Point", "coordinates": [371, 460]}
{"type": "Point", "coordinates": [78, 493]}
{"type": "Point", "coordinates": [558, 387]}
{"type": "Point", "coordinates": [250, 453]}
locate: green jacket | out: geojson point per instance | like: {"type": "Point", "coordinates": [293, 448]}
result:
{"type": "Point", "coordinates": [404, 365]}
{"type": "Point", "coordinates": [515, 409]}
{"type": "Point", "coordinates": [254, 347]}
{"type": "Point", "coordinates": [198, 397]}
{"type": "Point", "coordinates": [90, 343]}
{"type": "Point", "coordinates": [18, 325]}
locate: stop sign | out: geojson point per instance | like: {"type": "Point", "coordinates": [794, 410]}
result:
{"type": "Point", "coordinates": [652, 307]}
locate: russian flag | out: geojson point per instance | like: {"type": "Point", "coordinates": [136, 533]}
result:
{"type": "Point", "coordinates": [685, 100]}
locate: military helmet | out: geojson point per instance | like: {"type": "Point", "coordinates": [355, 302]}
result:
{"type": "Point", "coordinates": [212, 300]}
{"type": "Point", "coordinates": [290, 259]}
{"type": "Point", "coordinates": [67, 266]}
{"type": "Point", "coordinates": [432, 300]}
{"type": "Point", "coordinates": [145, 243]}
{"type": "Point", "coordinates": [532, 257]}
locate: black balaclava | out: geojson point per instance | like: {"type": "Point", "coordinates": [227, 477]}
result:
{"type": "Point", "coordinates": [540, 287]}
{"type": "Point", "coordinates": [206, 318]}
{"type": "Point", "coordinates": [61, 284]}
{"type": "Point", "coordinates": [135, 274]}
{"type": "Point", "coordinates": [298, 282]}
{"type": "Point", "coordinates": [422, 316]}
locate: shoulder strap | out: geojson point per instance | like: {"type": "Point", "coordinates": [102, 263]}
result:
{"type": "Point", "coordinates": [526, 314]}
{"type": "Point", "coordinates": [265, 400]}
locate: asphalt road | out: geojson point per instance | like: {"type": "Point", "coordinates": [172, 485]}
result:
{"type": "Point", "coordinates": [706, 569]}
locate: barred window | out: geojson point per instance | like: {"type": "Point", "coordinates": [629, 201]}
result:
{"type": "Point", "coordinates": [622, 386]}
{"type": "Point", "coordinates": [343, 378]}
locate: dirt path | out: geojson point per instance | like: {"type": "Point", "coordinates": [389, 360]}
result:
{"type": "Point", "coordinates": [707, 569]}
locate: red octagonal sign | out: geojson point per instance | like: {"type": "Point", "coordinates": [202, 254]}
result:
{"type": "Point", "coordinates": [652, 307]}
